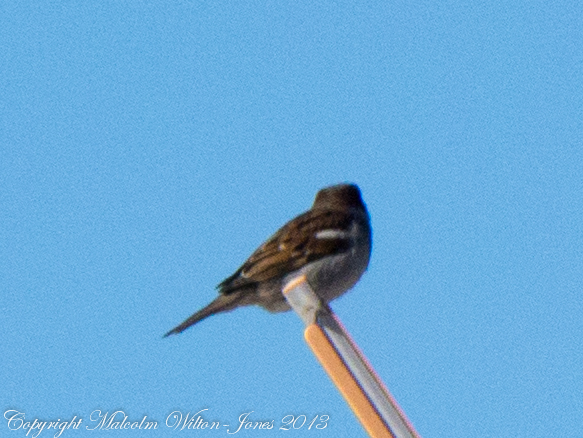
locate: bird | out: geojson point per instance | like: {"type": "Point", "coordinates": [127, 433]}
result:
{"type": "Point", "coordinates": [330, 244]}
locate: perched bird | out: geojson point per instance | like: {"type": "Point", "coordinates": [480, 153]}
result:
{"type": "Point", "coordinates": [330, 244]}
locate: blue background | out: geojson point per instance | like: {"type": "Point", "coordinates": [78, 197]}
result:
{"type": "Point", "coordinates": [147, 148]}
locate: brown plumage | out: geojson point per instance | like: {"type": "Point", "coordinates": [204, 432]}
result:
{"type": "Point", "coordinates": [330, 243]}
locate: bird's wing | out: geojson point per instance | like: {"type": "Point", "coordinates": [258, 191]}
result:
{"type": "Point", "coordinates": [309, 237]}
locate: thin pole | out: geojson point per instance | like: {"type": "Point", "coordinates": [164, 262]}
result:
{"type": "Point", "coordinates": [369, 399]}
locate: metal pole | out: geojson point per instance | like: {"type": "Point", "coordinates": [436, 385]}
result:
{"type": "Point", "coordinates": [346, 366]}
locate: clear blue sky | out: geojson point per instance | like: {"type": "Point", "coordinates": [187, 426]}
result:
{"type": "Point", "coordinates": [147, 148]}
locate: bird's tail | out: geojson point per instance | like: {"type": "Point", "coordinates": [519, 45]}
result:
{"type": "Point", "coordinates": [223, 303]}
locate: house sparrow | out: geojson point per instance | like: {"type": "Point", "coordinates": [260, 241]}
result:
{"type": "Point", "coordinates": [330, 244]}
